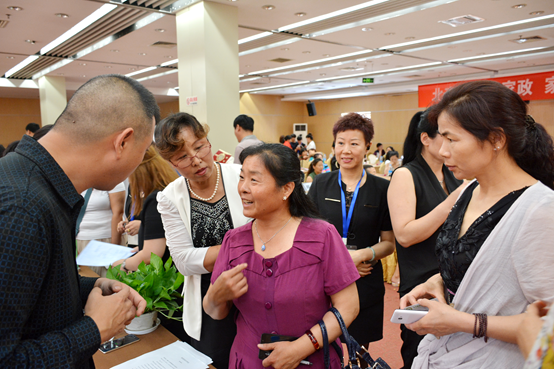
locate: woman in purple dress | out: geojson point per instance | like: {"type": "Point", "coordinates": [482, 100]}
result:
{"type": "Point", "coordinates": [284, 270]}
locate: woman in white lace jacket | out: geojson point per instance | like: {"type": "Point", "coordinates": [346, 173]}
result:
{"type": "Point", "coordinates": [197, 210]}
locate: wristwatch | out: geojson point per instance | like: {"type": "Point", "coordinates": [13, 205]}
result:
{"type": "Point", "coordinates": [123, 265]}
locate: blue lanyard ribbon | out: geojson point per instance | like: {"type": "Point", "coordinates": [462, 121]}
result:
{"type": "Point", "coordinates": [346, 220]}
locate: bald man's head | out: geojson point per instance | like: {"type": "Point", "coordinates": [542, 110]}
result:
{"type": "Point", "coordinates": [108, 104]}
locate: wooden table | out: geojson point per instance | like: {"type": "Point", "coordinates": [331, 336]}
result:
{"type": "Point", "coordinates": [149, 342]}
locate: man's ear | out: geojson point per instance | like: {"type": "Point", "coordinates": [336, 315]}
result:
{"type": "Point", "coordinates": [122, 141]}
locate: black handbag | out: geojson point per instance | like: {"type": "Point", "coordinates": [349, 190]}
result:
{"type": "Point", "coordinates": [355, 351]}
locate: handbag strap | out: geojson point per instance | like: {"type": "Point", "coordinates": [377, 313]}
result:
{"type": "Point", "coordinates": [82, 212]}
{"type": "Point", "coordinates": [338, 349]}
{"type": "Point", "coordinates": [354, 348]}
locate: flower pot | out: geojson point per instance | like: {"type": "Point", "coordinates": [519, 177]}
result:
{"type": "Point", "coordinates": [144, 322]}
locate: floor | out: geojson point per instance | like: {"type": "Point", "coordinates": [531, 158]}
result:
{"type": "Point", "coordinates": [389, 347]}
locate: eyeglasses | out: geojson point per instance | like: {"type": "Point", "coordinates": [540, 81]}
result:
{"type": "Point", "coordinates": [186, 161]}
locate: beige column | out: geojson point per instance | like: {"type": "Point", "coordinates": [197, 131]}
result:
{"type": "Point", "coordinates": [53, 98]}
{"type": "Point", "coordinates": [207, 42]}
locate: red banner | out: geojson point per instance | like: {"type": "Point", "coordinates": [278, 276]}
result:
{"type": "Point", "coordinates": [538, 86]}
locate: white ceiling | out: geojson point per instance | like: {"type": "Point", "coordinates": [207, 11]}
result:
{"type": "Point", "coordinates": [406, 46]}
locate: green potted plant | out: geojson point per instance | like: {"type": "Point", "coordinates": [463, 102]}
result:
{"type": "Point", "coordinates": [158, 284]}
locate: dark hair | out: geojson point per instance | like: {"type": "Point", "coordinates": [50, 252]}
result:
{"type": "Point", "coordinates": [2, 148]}
{"type": "Point", "coordinates": [299, 138]}
{"type": "Point", "coordinates": [245, 122]}
{"type": "Point", "coordinates": [391, 154]}
{"type": "Point", "coordinates": [418, 125]}
{"type": "Point", "coordinates": [310, 136]}
{"type": "Point", "coordinates": [312, 165]}
{"type": "Point", "coordinates": [353, 121]}
{"type": "Point", "coordinates": [282, 139]}
{"type": "Point", "coordinates": [391, 148]}
{"type": "Point", "coordinates": [167, 133]}
{"type": "Point", "coordinates": [486, 109]}
{"type": "Point", "coordinates": [43, 131]}
{"type": "Point", "coordinates": [293, 135]}
{"type": "Point", "coordinates": [379, 144]}
{"type": "Point", "coordinates": [318, 155]}
{"type": "Point", "coordinates": [33, 127]}
{"type": "Point", "coordinates": [287, 137]}
{"type": "Point", "coordinates": [284, 166]}
{"type": "Point", "coordinates": [11, 148]}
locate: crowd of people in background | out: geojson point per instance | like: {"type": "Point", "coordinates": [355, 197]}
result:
{"type": "Point", "coordinates": [268, 246]}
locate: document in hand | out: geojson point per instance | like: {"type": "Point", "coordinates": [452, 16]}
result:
{"type": "Point", "coordinates": [102, 254]}
{"type": "Point", "coordinates": [176, 355]}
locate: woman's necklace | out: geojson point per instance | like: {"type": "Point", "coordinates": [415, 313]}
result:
{"type": "Point", "coordinates": [215, 189]}
{"type": "Point", "coordinates": [263, 243]}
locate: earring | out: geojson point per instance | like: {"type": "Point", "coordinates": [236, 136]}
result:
{"type": "Point", "coordinates": [284, 198]}
{"type": "Point", "coordinates": [494, 149]}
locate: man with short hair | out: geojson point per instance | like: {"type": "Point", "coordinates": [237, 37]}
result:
{"type": "Point", "coordinates": [311, 143]}
{"type": "Point", "coordinates": [31, 128]}
{"type": "Point", "coordinates": [50, 317]}
{"type": "Point", "coordinates": [293, 143]}
{"type": "Point", "coordinates": [244, 128]}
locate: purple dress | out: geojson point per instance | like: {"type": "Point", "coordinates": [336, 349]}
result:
{"type": "Point", "coordinates": [288, 294]}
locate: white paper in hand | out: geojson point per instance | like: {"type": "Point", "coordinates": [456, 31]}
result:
{"type": "Point", "coordinates": [102, 254]}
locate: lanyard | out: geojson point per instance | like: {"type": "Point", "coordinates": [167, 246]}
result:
{"type": "Point", "coordinates": [133, 212]}
{"type": "Point", "coordinates": [346, 220]}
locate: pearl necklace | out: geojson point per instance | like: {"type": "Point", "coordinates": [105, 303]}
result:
{"type": "Point", "coordinates": [263, 243]}
{"type": "Point", "coordinates": [215, 189]}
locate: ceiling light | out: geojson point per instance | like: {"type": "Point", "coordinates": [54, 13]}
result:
{"type": "Point", "coordinates": [351, 69]}
{"type": "Point", "coordinates": [133, 68]}
{"type": "Point", "coordinates": [114, 50]}
{"type": "Point", "coordinates": [168, 56]}
{"type": "Point", "coordinates": [365, 29]}
{"type": "Point", "coordinates": [497, 54]}
{"type": "Point", "coordinates": [96, 15]}
{"type": "Point", "coordinates": [306, 52]}
{"type": "Point", "coordinates": [161, 30]}
{"type": "Point", "coordinates": [457, 34]}
{"type": "Point", "coordinates": [462, 20]}
{"type": "Point", "coordinates": [326, 55]}
{"type": "Point", "coordinates": [274, 87]}
{"type": "Point", "coordinates": [158, 75]}
{"type": "Point", "coordinates": [247, 66]}
{"type": "Point", "coordinates": [322, 74]}
{"type": "Point", "coordinates": [60, 74]}
{"type": "Point", "coordinates": [301, 14]}
{"type": "Point", "coordinates": [16, 8]}
{"type": "Point", "coordinates": [108, 66]}
{"type": "Point", "coordinates": [10, 57]}
{"type": "Point", "coordinates": [140, 71]}
{"type": "Point", "coordinates": [232, 0]}
{"type": "Point", "coordinates": [519, 6]}
{"type": "Point", "coordinates": [378, 72]}
{"type": "Point", "coordinates": [537, 13]}
{"type": "Point", "coordinates": [174, 61]}
{"type": "Point", "coordinates": [268, 7]}
{"type": "Point", "coordinates": [32, 42]}
{"type": "Point", "coordinates": [389, 33]}
{"type": "Point", "coordinates": [62, 15]}
{"type": "Point", "coordinates": [84, 75]}
{"type": "Point", "coordinates": [285, 49]}
{"type": "Point", "coordinates": [410, 38]}
{"type": "Point", "coordinates": [522, 40]}
{"type": "Point", "coordinates": [83, 64]}
{"type": "Point", "coordinates": [143, 54]}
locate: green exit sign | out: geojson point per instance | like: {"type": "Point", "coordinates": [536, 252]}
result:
{"type": "Point", "coordinates": [367, 80]}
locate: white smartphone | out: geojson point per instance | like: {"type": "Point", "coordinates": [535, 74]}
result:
{"type": "Point", "coordinates": [409, 315]}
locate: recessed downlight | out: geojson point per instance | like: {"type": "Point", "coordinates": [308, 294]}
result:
{"type": "Point", "coordinates": [410, 38]}
{"type": "Point", "coordinates": [16, 8]}
{"type": "Point", "coordinates": [326, 55]}
{"type": "Point", "coordinates": [32, 42]}
{"type": "Point", "coordinates": [268, 7]}
{"type": "Point", "coordinates": [61, 15]}
{"type": "Point", "coordinates": [114, 50]}
{"type": "Point", "coordinates": [133, 68]}
{"type": "Point", "coordinates": [108, 66]}
{"type": "Point", "coordinates": [323, 74]}
{"type": "Point", "coordinates": [168, 56]}
{"type": "Point", "coordinates": [306, 52]}
{"type": "Point", "coordinates": [366, 29]}
{"type": "Point", "coordinates": [143, 54]}
{"type": "Point", "coordinates": [389, 33]}
{"type": "Point", "coordinates": [10, 57]}
{"type": "Point", "coordinates": [300, 14]}
{"type": "Point", "coordinates": [83, 75]}
{"type": "Point", "coordinates": [161, 30]}
{"type": "Point", "coordinates": [285, 49]}
{"type": "Point", "coordinates": [519, 6]}
{"type": "Point", "coordinates": [537, 13]}
{"type": "Point", "coordinates": [83, 64]}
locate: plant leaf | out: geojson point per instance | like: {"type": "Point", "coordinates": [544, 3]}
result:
{"type": "Point", "coordinates": [156, 262]}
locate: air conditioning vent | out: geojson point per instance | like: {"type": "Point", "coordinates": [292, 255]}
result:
{"type": "Point", "coordinates": [522, 40]}
{"type": "Point", "coordinates": [167, 45]}
{"type": "Point", "coordinates": [351, 69]}
{"type": "Point", "coordinates": [3, 23]}
{"type": "Point", "coordinates": [280, 60]}
{"type": "Point", "coordinates": [461, 21]}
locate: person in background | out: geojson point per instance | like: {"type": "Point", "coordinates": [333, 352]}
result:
{"type": "Point", "coordinates": [197, 210]}
{"type": "Point", "coordinates": [42, 131]}
{"type": "Point", "coordinates": [102, 214]}
{"type": "Point", "coordinates": [31, 128]}
{"type": "Point", "coordinates": [287, 141]}
{"type": "Point", "coordinates": [283, 270]}
{"type": "Point", "coordinates": [151, 177]}
{"type": "Point", "coordinates": [332, 161]}
{"type": "Point", "coordinates": [300, 145]}
{"type": "Point", "coordinates": [493, 253]}
{"type": "Point", "coordinates": [282, 139]}
{"type": "Point", "coordinates": [389, 149]}
{"type": "Point", "coordinates": [421, 194]}
{"type": "Point", "coordinates": [356, 204]}
{"type": "Point", "coordinates": [392, 163]}
{"type": "Point", "coordinates": [51, 316]}
{"type": "Point", "coordinates": [311, 143]}
{"type": "Point", "coordinates": [244, 132]}
{"type": "Point", "coordinates": [316, 168]}
{"type": "Point", "coordinates": [2, 148]}
{"type": "Point", "coordinates": [293, 142]}
{"type": "Point", "coordinates": [11, 148]}
{"type": "Point", "coordinates": [380, 152]}
{"type": "Point", "coordinates": [370, 169]}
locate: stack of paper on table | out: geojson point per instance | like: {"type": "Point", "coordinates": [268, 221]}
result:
{"type": "Point", "coordinates": [102, 254]}
{"type": "Point", "coordinates": [176, 355]}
